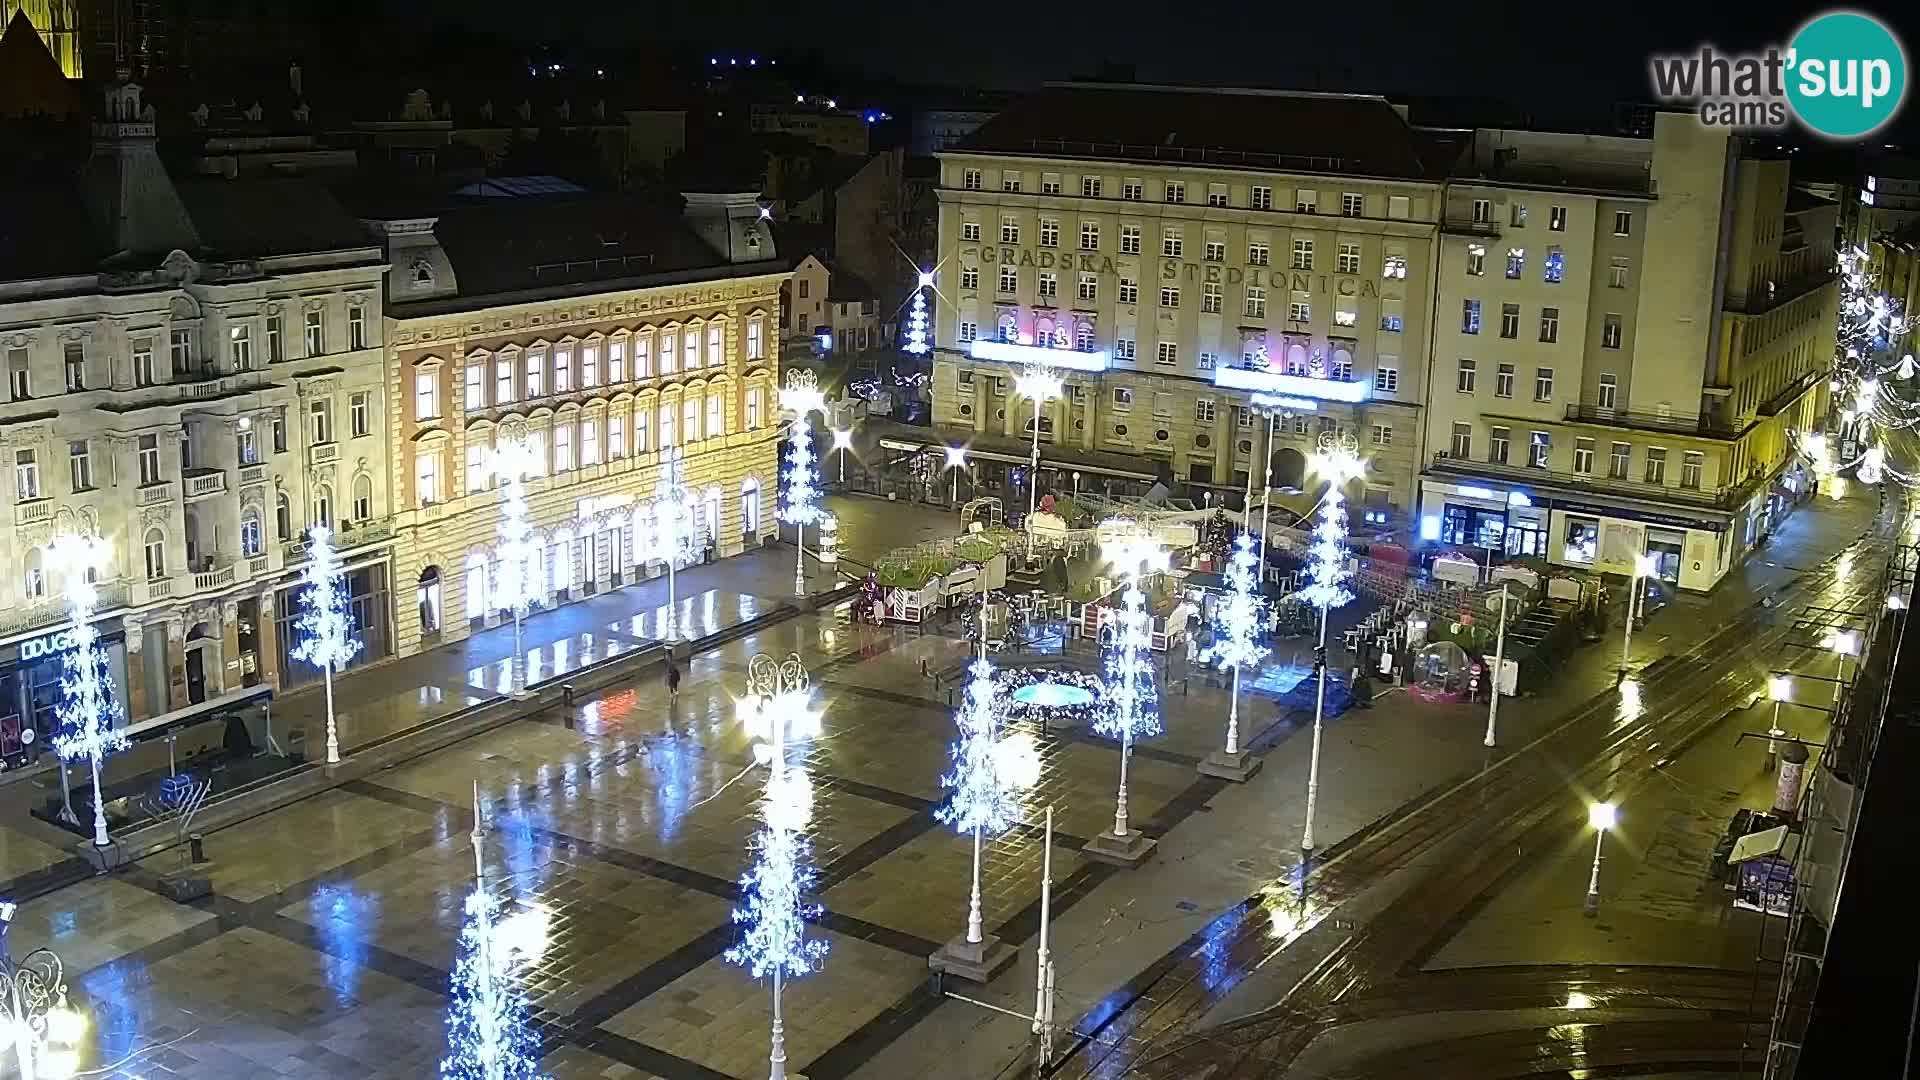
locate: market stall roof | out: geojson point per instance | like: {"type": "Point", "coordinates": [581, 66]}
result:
{"type": "Point", "coordinates": [1758, 845]}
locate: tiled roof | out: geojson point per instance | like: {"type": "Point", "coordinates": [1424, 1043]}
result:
{"type": "Point", "coordinates": [1347, 134]}
{"type": "Point", "coordinates": [266, 216]}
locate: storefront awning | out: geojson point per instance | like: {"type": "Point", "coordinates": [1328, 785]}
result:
{"type": "Point", "coordinates": [901, 444]}
{"type": "Point", "coordinates": [1758, 845]}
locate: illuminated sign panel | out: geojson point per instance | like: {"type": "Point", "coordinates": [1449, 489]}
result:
{"type": "Point", "coordinates": [1008, 352]}
{"type": "Point", "coordinates": [1274, 382]}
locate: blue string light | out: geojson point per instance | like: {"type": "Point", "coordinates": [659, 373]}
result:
{"type": "Point", "coordinates": [489, 1036]}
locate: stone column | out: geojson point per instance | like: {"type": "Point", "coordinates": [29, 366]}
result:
{"type": "Point", "coordinates": [134, 694]}
{"type": "Point", "coordinates": [229, 674]}
{"type": "Point", "coordinates": [266, 633]}
{"type": "Point", "coordinates": [176, 658]}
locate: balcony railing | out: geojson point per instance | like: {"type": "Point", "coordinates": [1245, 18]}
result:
{"type": "Point", "coordinates": [348, 538]}
{"type": "Point", "coordinates": [253, 474]}
{"type": "Point", "coordinates": [323, 453]}
{"type": "Point", "coordinates": [28, 513]}
{"type": "Point", "coordinates": [155, 494]}
{"type": "Point", "coordinates": [1705, 425]}
{"type": "Point", "coordinates": [202, 482]}
{"type": "Point", "coordinates": [52, 611]}
{"type": "Point", "coordinates": [218, 578]}
{"type": "Point", "coordinates": [1469, 227]}
{"type": "Point", "coordinates": [1599, 484]}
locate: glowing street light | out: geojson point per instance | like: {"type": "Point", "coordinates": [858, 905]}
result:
{"type": "Point", "coordinates": [1039, 384]}
{"type": "Point", "coordinates": [956, 459]}
{"type": "Point", "coordinates": [1133, 707]}
{"type": "Point", "coordinates": [1844, 643]}
{"type": "Point", "coordinates": [842, 442]}
{"type": "Point", "coordinates": [1601, 817]}
{"type": "Point", "coordinates": [1780, 690]}
{"type": "Point", "coordinates": [801, 396]}
{"type": "Point", "coordinates": [1644, 566]}
{"type": "Point", "coordinates": [1338, 460]}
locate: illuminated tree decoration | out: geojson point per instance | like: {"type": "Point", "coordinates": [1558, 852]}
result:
{"type": "Point", "coordinates": [1133, 710]}
{"type": "Point", "coordinates": [489, 1036]}
{"type": "Point", "coordinates": [1236, 626]}
{"type": "Point", "coordinates": [325, 626]}
{"type": "Point", "coordinates": [673, 538]}
{"type": "Point", "coordinates": [917, 318]}
{"type": "Point", "coordinates": [800, 505]}
{"type": "Point", "coordinates": [776, 910]}
{"type": "Point", "coordinates": [1327, 556]}
{"type": "Point", "coordinates": [87, 711]}
{"type": "Point", "coordinates": [982, 797]}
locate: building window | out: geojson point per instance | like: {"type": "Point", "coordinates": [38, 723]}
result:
{"type": "Point", "coordinates": [590, 364]}
{"type": "Point", "coordinates": [1049, 287]}
{"type": "Point", "coordinates": [1509, 320]}
{"type": "Point", "coordinates": [1256, 302]}
{"type": "Point", "coordinates": [362, 498]}
{"type": "Point", "coordinates": [1168, 354]}
{"type": "Point", "coordinates": [1089, 236]}
{"type": "Point", "coordinates": [1009, 279]}
{"type": "Point", "coordinates": [320, 415]}
{"type": "Point", "coordinates": [1299, 308]}
{"type": "Point", "coordinates": [316, 333]}
{"type": "Point", "coordinates": [1610, 331]}
{"type": "Point", "coordinates": [75, 357]}
{"type": "Point", "coordinates": [1617, 272]}
{"type": "Point", "coordinates": [1049, 184]}
{"type": "Point", "coordinates": [252, 537]}
{"type": "Point", "coordinates": [1129, 291]}
{"type": "Point", "coordinates": [1176, 191]}
{"type": "Point", "coordinates": [1557, 218]}
{"type": "Point", "coordinates": [1172, 243]}
{"type": "Point", "coordinates": [1623, 223]}
{"type": "Point", "coordinates": [143, 373]}
{"type": "Point", "coordinates": [180, 351]}
{"type": "Point", "coordinates": [1482, 211]}
{"type": "Point", "coordinates": [1306, 201]}
{"type": "Point", "coordinates": [1083, 337]}
{"type": "Point", "coordinates": [1009, 181]}
{"type": "Point", "coordinates": [1049, 232]}
{"type": "Point", "coordinates": [479, 477]}
{"type": "Point", "coordinates": [1210, 298]}
{"type": "Point", "coordinates": [1516, 262]}
{"type": "Point", "coordinates": [1390, 318]}
{"type": "Point", "coordinates": [356, 326]}
{"type": "Point", "coordinates": [970, 180]}
{"type": "Point", "coordinates": [1009, 231]}
{"type": "Point", "coordinates": [1543, 384]}
{"type": "Point", "coordinates": [617, 352]}
{"type": "Point", "coordinates": [1303, 254]}
{"type": "Point", "coordinates": [1503, 381]}
{"type": "Point", "coordinates": [426, 476]}
{"type": "Point", "coordinates": [1123, 348]}
{"type": "Point", "coordinates": [1691, 463]}
{"type": "Point", "coordinates": [1089, 288]}
{"type": "Point", "coordinates": [1393, 266]}
{"type": "Point", "coordinates": [1464, 378]}
{"type": "Point", "coordinates": [968, 331]}
{"type": "Point", "coordinates": [1258, 253]}
{"type": "Point", "coordinates": [1129, 239]}
{"type": "Point", "coordinates": [617, 437]}
{"type": "Point", "coordinates": [1089, 187]}
{"type": "Point", "coordinates": [1383, 435]}
{"type": "Point", "coordinates": [1206, 361]}
{"type": "Point", "coordinates": [1386, 380]}
{"type": "Point", "coordinates": [1539, 449]}
{"type": "Point", "coordinates": [562, 446]}
{"type": "Point", "coordinates": [276, 339]}
{"type": "Point", "coordinates": [1549, 324]}
{"type": "Point", "coordinates": [1132, 190]}
{"type": "Point", "coordinates": [26, 475]}
{"type": "Point", "coordinates": [590, 436]}
{"type": "Point", "coordinates": [155, 547]}
{"type": "Point", "coordinates": [1583, 456]}
{"type": "Point", "coordinates": [426, 395]}
{"type": "Point", "coordinates": [690, 420]}
{"type": "Point", "coordinates": [1497, 444]}
{"type": "Point", "coordinates": [280, 430]}
{"type": "Point", "coordinates": [359, 406]}
{"type": "Point", "coordinates": [1169, 297]}
{"type": "Point", "coordinates": [1009, 328]}
{"type": "Point", "coordinates": [1260, 198]}
{"type": "Point", "coordinates": [474, 375]}
{"type": "Point", "coordinates": [1517, 215]}
{"type": "Point", "coordinates": [1556, 265]}
{"type": "Point", "coordinates": [1216, 194]}
{"type": "Point", "coordinates": [1214, 251]}
{"type": "Point", "coordinates": [1345, 316]}
{"type": "Point", "coordinates": [1609, 386]}
{"type": "Point", "coordinates": [1352, 204]}
{"type": "Point", "coordinates": [247, 446]}
{"type": "Point", "coordinates": [503, 381]}
{"type": "Point", "coordinates": [1203, 411]}
{"type": "Point", "coordinates": [1348, 260]}
{"type": "Point", "coordinates": [970, 278]}
{"type": "Point", "coordinates": [1618, 460]}
{"type": "Point", "coordinates": [282, 517]}
{"type": "Point", "coordinates": [1470, 317]}
{"type": "Point", "coordinates": [563, 362]}
{"type": "Point", "coordinates": [537, 370]}
{"type": "Point", "coordinates": [641, 415]}
{"type": "Point", "coordinates": [969, 231]}
{"type": "Point", "coordinates": [1656, 465]}
{"type": "Point", "coordinates": [643, 357]}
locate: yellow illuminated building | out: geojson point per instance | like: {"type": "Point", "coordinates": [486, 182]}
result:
{"type": "Point", "coordinates": [58, 23]}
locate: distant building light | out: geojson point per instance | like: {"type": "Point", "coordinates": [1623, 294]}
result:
{"type": "Point", "coordinates": [1430, 527]}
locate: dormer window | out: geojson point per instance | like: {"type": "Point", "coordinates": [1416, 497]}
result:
{"type": "Point", "coordinates": [422, 274]}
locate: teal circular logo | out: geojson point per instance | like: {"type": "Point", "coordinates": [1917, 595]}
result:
{"type": "Point", "coordinates": [1846, 74]}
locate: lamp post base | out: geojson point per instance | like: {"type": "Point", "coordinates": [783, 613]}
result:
{"type": "Point", "coordinates": [1124, 851]}
{"type": "Point", "coordinates": [975, 961]}
{"type": "Point", "coordinates": [1237, 767]}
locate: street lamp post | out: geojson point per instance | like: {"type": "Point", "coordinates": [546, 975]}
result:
{"type": "Point", "coordinates": [1132, 709]}
{"type": "Point", "coordinates": [1039, 384]}
{"type": "Point", "coordinates": [43, 1029]}
{"type": "Point", "coordinates": [801, 396]}
{"type": "Point", "coordinates": [1499, 663]}
{"type": "Point", "coordinates": [1844, 643]}
{"type": "Point", "coordinates": [1338, 459]}
{"type": "Point", "coordinates": [1643, 566]}
{"type": "Point", "coordinates": [956, 459]}
{"type": "Point", "coordinates": [1780, 689]}
{"type": "Point", "coordinates": [842, 442]}
{"type": "Point", "coordinates": [89, 717]}
{"type": "Point", "coordinates": [1602, 816]}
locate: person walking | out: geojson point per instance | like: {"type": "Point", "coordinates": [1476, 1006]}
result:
{"type": "Point", "coordinates": [673, 679]}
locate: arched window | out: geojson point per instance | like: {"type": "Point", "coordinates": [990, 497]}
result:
{"type": "Point", "coordinates": [690, 419]}
{"type": "Point", "coordinates": [666, 427]}
{"type": "Point", "coordinates": [476, 586]}
{"type": "Point", "coordinates": [750, 509]}
{"type": "Point", "coordinates": [1296, 359]}
{"type": "Point", "coordinates": [427, 595]}
{"type": "Point", "coordinates": [363, 498]}
{"type": "Point", "coordinates": [323, 505]}
{"type": "Point", "coordinates": [35, 585]}
{"type": "Point", "coordinates": [156, 550]}
{"type": "Point", "coordinates": [1009, 327]}
{"type": "Point", "coordinates": [1085, 337]}
{"type": "Point", "coordinates": [253, 539]}
{"type": "Point", "coordinates": [282, 516]}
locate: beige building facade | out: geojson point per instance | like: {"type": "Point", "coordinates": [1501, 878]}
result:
{"type": "Point", "coordinates": [603, 377]}
{"type": "Point", "coordinates": [1629, 331]}
{"type": "Point", "coordinates": [1177, 270]}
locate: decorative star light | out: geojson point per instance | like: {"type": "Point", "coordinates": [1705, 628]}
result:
{"type": "Point", "coordinates": [983, 798]}
{"type": "Point", "coordinates": [801, 396]}
{"type": "Point", "coordinates": [1339, 462]}
{"type": "Point", "coordinates": [916, 336]}
{"type": "Point", "coordinates": [489, 1030]}
{"type": "Point", "coordinates": [1133, 710]}
{"type": "Point", "coordinates": [1236, 619]}
{"type": "Point", "coordinates": [776, 910]}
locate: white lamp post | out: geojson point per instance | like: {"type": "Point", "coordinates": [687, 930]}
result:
{"type": "Point", "coordinates": [842, 442]}
{"type": "Point", "coordinates": [1644, 566]}
{"type": "Point", "coordinates": [511, 463]}
{"type": "Point", "coordinates": [1133, 708]}
{"type": "Point", "coordinates": [88, 714]}
{"type": "Point", "coordinates": [1039, 384]}
{"type": "Point", "coordinates": [1237, 621]}
{"type": "Point", "coordinates": [1844, 643]}
{"type": "Point", "coordinates": [1338, 459]}
{"type": "Point", "coordinates": [44, 1030]}
{"type": "Point", "coordinates": [1602, 816]}
{"type": "Point", "coordinates": [1780, 689]}
{"type": "Point", "coordinates": [1499, 663]}
{"type": "Point", "coordinates": [956, 459]}
{"type": "Point", "coordinates": [1271, 407]}
{"type": "Point", "coordinates": [325, 624]}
